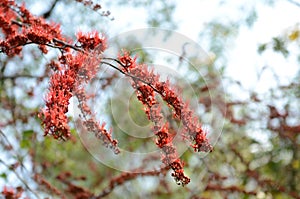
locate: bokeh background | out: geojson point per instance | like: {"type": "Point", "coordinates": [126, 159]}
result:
{"type": "Point", "coordinates": [242, 78]}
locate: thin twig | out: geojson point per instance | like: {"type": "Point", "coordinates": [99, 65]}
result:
{"type": "Point", "coordinates": [55, 40]}
{"type": "Point", "coordinates": [128, 176]}
{"type": "Point", "coordinates": [20, 178]}
{"type": "Point", "coordinates": [22, 76]}
{"type": "Point", "coordinates": [49, 12]}
{"type": "Point", "coordinates": [294, 2]}
{"type": "Point", "coordinates": [128, 74]}
{"type": "Point", "coordinates": [17, 156]}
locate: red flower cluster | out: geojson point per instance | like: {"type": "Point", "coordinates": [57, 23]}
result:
{"type": "Point", "coordinates": [20, 28]}
{"type": "Point", "coordinates": [62, 85]}
{"type": "Point", "coordinates": [147, 84]}
{"type": "Point", "coordinates": [11, 193]}
{"type": "Point", "coordinates": [71, 72]}
{"type": "Point", "coordinates": [91, 40]}
{"type": "Point", "coordinates": [78, 65]}
{"type": "Point", "coordinates": [90, 4]}
{"type": "Point", "coordinates": [163, 138]}
{"type": "Point", "coordinates": [57, 101]}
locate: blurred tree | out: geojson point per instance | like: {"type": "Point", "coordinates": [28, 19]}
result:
{"type": "Point", "coordinates": [256, 156]}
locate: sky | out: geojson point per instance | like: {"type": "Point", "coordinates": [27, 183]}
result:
{"type": "Point", "coordinates": [244, 61]}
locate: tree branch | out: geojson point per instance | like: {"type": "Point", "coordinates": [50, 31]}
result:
{"type": "Point", "coordinates": [48, 13]}
{"type": "Point", "coordinates": [128, 176]}
{"type": "Point", "coordinates": [128, 74]}
{"type": "Point", "coordinates": [294, 2]}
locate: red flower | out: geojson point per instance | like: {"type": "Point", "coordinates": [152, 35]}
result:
{"type": "Point", "coordinates": [147, 85]}
{"type": "Point", "coordinates": [92, 40]}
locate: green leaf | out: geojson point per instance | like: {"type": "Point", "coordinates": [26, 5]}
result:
{"type": "Point", "coordinates": [3, 175]}
{"type": "Point", "coordinates": [25, 144]}
{"type": "Point", "coordinates": [28, 134]}
{"type": "Point", "coordinates": [279, 46]}
{"type": "Point", "coordinates": [26, 141]}
{"type": "Point", "coordinates": [262, 48]}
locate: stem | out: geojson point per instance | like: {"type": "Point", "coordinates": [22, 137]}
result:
{"type": "Point", "coordinates": [20, 178]}
{"type": "Point", "coordinates": [128, 74]}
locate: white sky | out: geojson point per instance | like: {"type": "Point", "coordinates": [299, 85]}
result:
{"type": "Point", "coordinates": [244, 62]}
